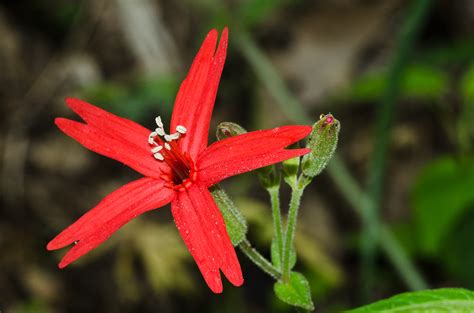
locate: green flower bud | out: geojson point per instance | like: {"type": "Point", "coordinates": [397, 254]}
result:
{"type": "Point", "coordinates": [322, 142]}
{"type": "Point", "coordinates": [229, 129]}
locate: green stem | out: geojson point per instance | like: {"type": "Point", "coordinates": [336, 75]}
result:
{"type": "Point", "coordinates": [296, 193]}
{"type": "Point", "coordinates": [276, 212]}
{"type": "Point", "coordinates": [259, 259]}
{"type": "Point", "coordinates": [336, 168]}
{"type": "Point", "coordinates": [385, 112]}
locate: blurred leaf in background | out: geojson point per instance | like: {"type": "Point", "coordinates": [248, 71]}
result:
{"type": "Point", "coordinates": [442, 195]}
{"type": "Point", "coordinates": [466, 116]}
{"type": "Point", "coordinates": [162, 254]}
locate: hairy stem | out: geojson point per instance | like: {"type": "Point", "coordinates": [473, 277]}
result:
{"type": "Point", "coordinates": [259, 259]}
{"type": "Point", "coordinates": [338, 171]}
{"type": "Point", "coordinates": [296, 194]}
{"type": "Point", "coordinates": [276, 212]}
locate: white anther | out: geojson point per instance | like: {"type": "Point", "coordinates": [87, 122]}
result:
{"type": "Point", "coordinates": [181, 129]}
{"type": "Point", "coordinates": [167, 146]}
{"type": "Point", "coordinates": [160, 131]}
{"type": "Point", "coordinates": [174, 136]}
{"type": "Point", "coordinates": [156, 149]}
{"type": "Point", "coordinates": [151, 138]}
{"type": "Point", "coordinates": [158, 156]}
{"type": "Point", "coordinates": [168, 138]}
{"type": "Point", "coordinates": [159, 122]}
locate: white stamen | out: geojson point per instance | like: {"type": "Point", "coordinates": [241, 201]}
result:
{"type": "Point", "coordinates": [181, 129]}
{"type": "Point", "coordinates": [151, 138]}
{"type": "Point", "coordinates": [159, 122]}
{"type": "Point", "coordinates": [160, 131]}
{"type": "Point", "coordinates": [156, 149]}
{"type": "Point", "coordinates": [174, 136]}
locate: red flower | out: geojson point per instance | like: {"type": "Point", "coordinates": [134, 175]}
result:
{"type": "Point", "coordinates": [179, 168]}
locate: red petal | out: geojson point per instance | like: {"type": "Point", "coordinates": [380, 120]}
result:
{"type": "Point", "coordinates": [136, 154]}
{"type": "Point", "coordinates": [115, 210]}
{"type": "Point", "coordinates": [249, 151]}
{"type": "Point", "coordinates": [202, 228]}
{"type": "Point", "coordinates": [109, 123]}
{"type": "Point", "coordinates": [197, 94]}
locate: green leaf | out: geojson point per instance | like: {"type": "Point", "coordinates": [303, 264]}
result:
{"type": "Point", "coordinates": [276, 258]}
{"type": "Point", "coordinates": [441, 195]}
{"type": "Point", "coordinates": [457, 254]}
{"type": "Point", "coordinates": [433, 301]}
{"type": "Point", "coordinates": [295, 292]}
{"type": "Point", "coordinates": [234, 221]}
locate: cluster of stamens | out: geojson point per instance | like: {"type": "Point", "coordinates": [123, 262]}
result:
{"type": "Point", "coordinates": [165, 148]}
{"type": "Point", "coordinates": [160, 131]}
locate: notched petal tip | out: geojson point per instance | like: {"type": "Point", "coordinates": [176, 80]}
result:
{"type": "Point", "coordinates": [216, 287]}
{"type": "Point", "coordinates": [237, 280]}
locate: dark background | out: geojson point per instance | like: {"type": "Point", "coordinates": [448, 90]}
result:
{"type": "Point", "coordinates": [338, 56]}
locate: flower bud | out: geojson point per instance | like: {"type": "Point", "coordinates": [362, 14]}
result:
{"type": "Point", "coordinates": [229, 129]}
{"type": "Point", "coordinates": [322, 142]}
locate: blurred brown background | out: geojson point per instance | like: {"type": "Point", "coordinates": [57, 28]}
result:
{"type": "Point", "coordinates": [288, 62]}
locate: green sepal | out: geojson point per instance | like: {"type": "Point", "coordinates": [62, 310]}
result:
{"type": "Point", "coordinates": [322, 141]}
{"type": "Point", "coordinates": [290, 170]}
{"type": "Point", "coordinates": [269, 176]}
{"type": "Point", "coordinates": [295, 291]}
{"type": "Point", "coordinates": [276, 257]}
{"type": "Point", "coordinates": [234, 220]}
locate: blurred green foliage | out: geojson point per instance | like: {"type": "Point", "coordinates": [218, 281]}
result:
{"type": "Point", "coordinates": [136, 99]}
{"type": "Point", "coordinates": [420, 82]}
{"type": "Point", "coordinates": [441, 196]}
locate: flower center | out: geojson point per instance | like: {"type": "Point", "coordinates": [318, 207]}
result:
{"type": "Point", "coordinates": [165, 148]}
